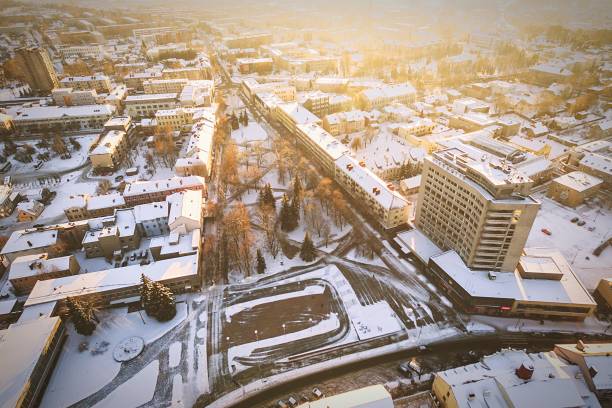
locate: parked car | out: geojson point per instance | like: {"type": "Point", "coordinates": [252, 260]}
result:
{"type": "Point", "coordinates": [404, 368]}
{"type": "Point", "coordinates": [591, 229]}
{"type": "Point", "coordinates": [292, 401]}
{"type": "Point", "coordinates": [415, 366]}
{"type": "Point", "coordinates": [119, 178]}
{"type": "Point", "coordinates": [581, 223]}
{"type": "Point", "coordinates": [546, 231]}
{"type": "Point", "coordinates": [39, 165]}
{"type": "Point", "coordinates": [317, 393]}
{"type": "Point", "coordinates": [574, 220]}
{"type": "Point", "coordinates": [281, 404]}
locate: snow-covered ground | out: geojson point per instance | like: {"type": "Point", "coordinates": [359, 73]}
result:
{"type": "Point", "coordinates": [575, 242]}
{"type": "Point", "coordinates": [93, 355]}
{"type": "Point", "coordinates": [136, 391]}
{"type": "Point", "coordinates": [251, 133]}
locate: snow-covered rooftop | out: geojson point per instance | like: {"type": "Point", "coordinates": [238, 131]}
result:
{"type": "Point", "coordinates": [21, 346]}
{"type": "Point", "coordinates": [58, 112]}
{"type": "Point", "coordinates": [143, 187]}
{"type": "Point", "coordinates": [37, 264]}
{"type": "Point", "coordinates": [109, 143]}
{"type": "Point", "coordinates": [111, 279]}
{"type": "Point", "coordinates": [493, 382]}
{"type": "Point", "coordinates": [578, 181]}
{"type": "Point", "coordinates": [377, 188]}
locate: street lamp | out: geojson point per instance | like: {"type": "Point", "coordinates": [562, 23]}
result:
{"type": "Point", "coordinates": [284, 329]}
{"type": "Point", "coordinates": [256, 337]}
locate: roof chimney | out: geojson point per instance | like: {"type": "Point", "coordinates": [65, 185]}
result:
{"type": "Point", "coordinates": [525, 371]}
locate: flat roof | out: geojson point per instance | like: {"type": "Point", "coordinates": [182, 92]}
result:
{"type": "Point", "coordinates": [21, 346]}
{"type": "Point", "coordinates": [419, 244]}
{"type": "Point", "coordinates": [374, 395]}
{"type": "Point", "coordinates": [38, 264]}
{"type": "Point", "coordinates": [578, 181]}
{"type": "Point", "coordinates": [143, 187]}
{"type": "Point", "coordinates": [111, 279]}
{"type": "Point", "coordinates": [29, 239]}
{"type": "Point", "coordinates": [510, 285]}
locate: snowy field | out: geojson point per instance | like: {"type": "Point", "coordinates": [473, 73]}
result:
{"type": "Point", "coordinates": [575, 242]}
{"type": "Point", "coordinates": [93, 355]}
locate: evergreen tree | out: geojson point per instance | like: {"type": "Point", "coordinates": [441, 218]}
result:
{"type": "Point", "coordinates": [234, 121]}
{"type": "Point", "coordinates": [287, 215]}
{"type": "Point", "coordinates": [307, 252]}
{"type": "Point", "coordinates": [148, 297]}
{"type": "Point", "coordinates": [261, 263]}
{"type": "Point", "coordinates": [297, 188]}
{"type": "Point", "coordinates": [295, 212]}
{"type": "Point", "coordinates": [269, 196]}
{"type": "Point", "coordinates": [167, 305]}
{"type": "Point", "coordinates": [261, 199]}
{"type": "Point", "coordinates": [82, 316]}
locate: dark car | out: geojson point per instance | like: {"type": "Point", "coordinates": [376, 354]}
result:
{"type": "Point", "coordinates": [574, 220]}
{"type": "Point", "coordinates": [581, 223]}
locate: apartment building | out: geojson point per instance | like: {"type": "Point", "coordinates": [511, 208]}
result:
{"type": "Point", "coordinates": [376, 196]}
{"type": "Point", "coordinates": [110, 151]}
{"type": "Point", "coordinates": [317, 102]}
{"type": "Point", "coordinates": [112, 235]}
{"type": "Point", "coordinates": [142, 192]}
{"type": "Point", "coordinates": [8, 200]}
{"type": "Point", "coordinates": [72, 97]}
{"type": "Point", "coordinates": [99, 82]}
{"type": "Point", "coordinates": [119, 285]}
{"type": "Point", "coordinates": [250, 87]}
{"type": "Point", "coordinates": [345, 122]}
{"type": "Point", "coordinates": [322, 146]}
{"type": "Point", "coordinates": [386, 94]}
{"type": "Point", "coordinates": [53, 240]}
{"type": "Point", "coordinates": [477, 206]}
{"type": "Point", "coordinates": [179, 118]}
{"type": "Point", "coordinates": [331, 84]}
{"type": "Point", "coordinates": [292, 114]}
{"type": "Point", "coordinates": [29, 351]}
{"type": "Point", "coordinates": [95, 51]}
{"type": "Point", "coordinates": [259, 65]}
{"type": "Point", "coordinates": [29, 210]}
{"type": "Point", "coordinates": [198, 157]}
{"type": "Point", "coordinates": [158, 86]}
{"type": "Point", "coordinates": [193, 73]}
{"type": "Point", "coordinates": [514, 378]}
{"type": "Point", "coordinates": [248, 40]}
{"type": "Point", "coordinates": [574, 188]}
{"type": "Point", "coordinates": [138, 106]}
{"type": "Point", "coordinates": [152, 218]}
{"type": "Point", "coordinates": [37, 69]}
{"type": "Point", "coordinates": [128, 68]}
{"type": "Point", "coordinates": [38, 119]}
{"type": "Point", "coordinates": [26, 270]}
{"type": "Point", "coordinates": [418, 127]}
{"type": "Point", "coordinates": [116, 96]}
{"type": "Point", "coordinates": [84, 207]}
{"type": "Point", "coordinates": [198, 93]}
{"type": "Point", "coordinates": [136, 80]}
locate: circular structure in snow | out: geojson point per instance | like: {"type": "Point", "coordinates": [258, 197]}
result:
{"type": "Point", "coordinates": [128, 349]}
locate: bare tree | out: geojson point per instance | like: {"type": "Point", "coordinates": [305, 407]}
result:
{"type": "Point", "coordinates": [237, 229]}
{"type": "Point", "coordinates": [266, 218]}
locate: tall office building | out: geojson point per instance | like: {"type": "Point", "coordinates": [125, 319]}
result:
{"type": "Point", "coordinates": [476, 205]}
{"type": "Point", "coordinates": [37, 68]}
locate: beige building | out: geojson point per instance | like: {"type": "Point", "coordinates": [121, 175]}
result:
{"type": "Point", "coordinates": [159, 86]}
{"type": "Point", "coordinates": [116, 235]}
{"type": "Point", "coordinates": [138, 106]}
{"type": "Point", "coordinates": [477, 206]}
{"type": "Point", "coordinates": [376, 196]}
{"type": "Point", "coordinates": [71, 97]}
{"type": "Point", "coordinates": [595, 362]}
{"type": "Point", "coordinates": [110, 151]}
{"type": "Point", "coordinates": [573, 188]}
{"type": "Point", "coordinates": [178, 118]}
{"type": "Point", "coordinates": [29, 210]}
{"type": "Point", "coordinates": [46, 118]}
{"type": "Point", "coordinates": [98, 82]}
{"type": "Point", "coordinates": [345, 122]}
{"type": "Point", "coordinates": [386, 94]}
{"type": "Point", "coordinates": [37, 68]}
{"type": "Point", "coordinates": [29, 352]}
{"type": "Point", "coordinates": [514, 378]}
{"type": "Point", "coordinates": [26, 270]}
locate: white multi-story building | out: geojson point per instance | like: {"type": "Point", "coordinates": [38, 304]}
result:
{"type": "Point", "coordinates": [384, 95]}
{"type": "Point", "coordinates": [45, 118]}
{"type": "Point", "coordinates": [477, 205]}
{"type": "Point", "coordinates": [197, 160]}
{"type": "Point", "coordinates": [101, 83]}
{"type": "Point", "coordinates": [147, 105]}
{"type": "Point", "coordinates": [377, 197]}
{"type": "Point", "coordinates": [345, 122]}
{"type": "Point", "coordinates": [158, 86]}
{"type": "Point", "coordinates": [71, 97]}
{"type": "Point", "coordinates": [82, 51]}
